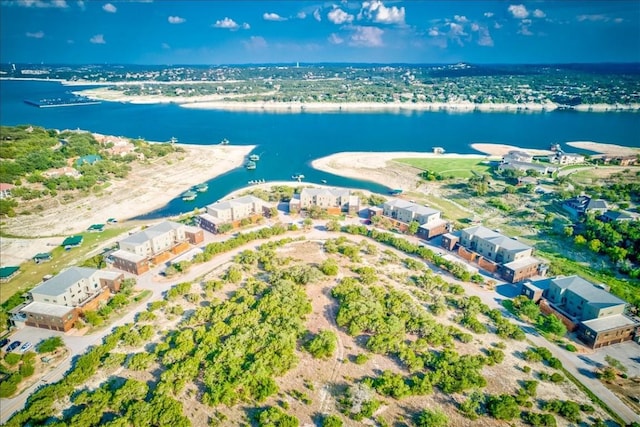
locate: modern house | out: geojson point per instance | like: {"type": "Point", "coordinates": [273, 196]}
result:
{"type": "Point", "coordinates": [581, 205]}
{"type": "Point", "coordinates": [42, 257]}
{"type": "Point", "coordinates": [332, 200]}
{"type": "Point", "coordinates": [56, 303]}
{"type": "Point", "coordinates": [598, 316]}
{"type": "Point", "coordinates": [615, 216]}
{"type": "Point", "coordinates": [517, 156]}
{"type": "Point", "coordinates": [512, 259]}
{"type": "Point", "coordinates": [430, 220]}
{"type": "Point", "coordinates": [154, 245]}
{"type": "Point", "coordinates": [562, 158]}
{"type": "Point", "coordinates": [541, 168]}
{"type": "Point", "coordinates": [232, 212]}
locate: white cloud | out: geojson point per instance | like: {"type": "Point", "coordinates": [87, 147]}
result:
{"type": "Point", "coordinates": [366, 37]}
{"type": "Point", "coordinates": [592, 18]}
{"type": "Point", "coordinates": [433, 32]}
{"type": "Point", "coordinates": [539, 14]}
{"type": "Point", "coordinates": [272, 17]}
{"type": "Point", "coordinates": [98, 39]}
{"type": "Point", "coordinates": [339, 16]}
{"type": "Point", "coordinates": [459, 18]}
{"type": "Point", "coordinates": [36, 35]}
{"type": "Point", "coordinates": [475, 27]}
{"type": "Point", "coordinates": [165, 46]}
{"type": "Point", "coordinates": [255, 43]}
{"type": "Point", "coordinates": [497, 25]}
{"type": "Point", "coordinates": [524, 30]}
{"type": "Point", "coordinates": [335, 39]}
{"type": "Point", "coordinates": [484, 37]}
{"type": "Point", "coordinates": [301, 15]}
{"type": "Point", "coordinates": [61, 4]}
{"type": "Point", "coordinates": [81, 5]}
{"type": "Point", "coordinates": [518, 11]}
{"type": "Point", "coordinates": [316, 15]}
{"type": "Point", "coordinates": [230, 24]}
{"type": "Point", "coordinates": [488, 14]}
{"type": "Point", "coordinates": [456, 30]}
{"type": "Point", "coordinates": [109, 8]}
{"type": "Point", "coordinates": [175, 20]}
{"type": "Point", "coordinates": [380, 13]}
{"type": "Point", "coordinates": [618, 20]}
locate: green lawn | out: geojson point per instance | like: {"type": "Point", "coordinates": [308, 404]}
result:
{"type": "Point", "coordinates": [458, 168]}
{"type": "Point", "coordinates": [31, 273]}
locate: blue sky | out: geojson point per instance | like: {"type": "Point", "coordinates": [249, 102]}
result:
{"type": "Point", "coordinates": [241, 32]}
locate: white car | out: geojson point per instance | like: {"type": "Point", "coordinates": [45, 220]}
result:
{"type": "Point", "coordinates": [26, 346]}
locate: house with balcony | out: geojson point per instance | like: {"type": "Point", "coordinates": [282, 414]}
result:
{"type": "Point", "coordinates": [405, 212]}
{"type": "Point", "coordinates": [333, 200]}
{"type": "Point", "coordinates": [582, 205]}
{"type": "Point", "coordinates": [57, 302]}
{"type": "Point", "coordinates": [510, 258]}
{"type": "Point", "coordinates": [154, 245]}
{"type": "Point", "coordinates": [232, 212]}
{"type": "Point", "coordinates": [598, 316]}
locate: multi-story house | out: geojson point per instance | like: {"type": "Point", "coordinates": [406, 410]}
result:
{"type": "Point", "coordinates": [514, 260]}
{"type": "Point", "coordinates": [581, 205]}
{"type": "Point", "coordinates": [153, 245]}
{"type": "Point", "coordinates": [430, 220]}
{"type": "Point", "coordinates": [57, 302]}
{"type": "Point", "coordinates": [333, 200]}
{"type": "Point", "coordinates": [232, 211]}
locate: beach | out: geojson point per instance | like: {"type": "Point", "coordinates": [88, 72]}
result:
{"type": "Point", "coordinates": [146, 188]}
{"type": "Point", "coordinates": [502, 149]}
{"type": "Point", "coordinates": [608, 149]}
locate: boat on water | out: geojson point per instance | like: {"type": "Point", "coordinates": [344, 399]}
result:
{"type": "Point", "coordinates": [251, 165]}
{"type": "Point", "coordinates": [254, 157]}
{"type": "Point", "coordinates": [395, 192]}
{"type": "Point", "coordinates": [298, 176]}
{"type": "Point", "coordinates": [555, 147]}
{"type": "Point", "coordinates": [224, 141]}
{"type": "Point", "coordinates": [324, 181]}
{"type": "Point", "coordinates": [201, 188]}
{"type": "Point", "coordinates": [256, 181]}
{"type": "Point", "coordinates": [189, 196]}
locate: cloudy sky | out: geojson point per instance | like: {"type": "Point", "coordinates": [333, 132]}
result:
{"type": "Point", "coordinates": [241, 32]}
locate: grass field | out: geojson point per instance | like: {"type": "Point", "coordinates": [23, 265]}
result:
{"type": "Point", "coordinates": [31, 273]}
{"type": "Point", "coordinates": [457, 168]}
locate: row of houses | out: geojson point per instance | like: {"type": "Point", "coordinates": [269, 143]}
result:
{"type": "Point", "coordinates": [599, 317]}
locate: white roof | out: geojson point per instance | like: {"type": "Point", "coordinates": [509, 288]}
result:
{"type": "Point", "coordinates": [59, 283]}
{"type": "Point", "coordinates": [151, 232]}
{"type": "Point", "coordinates": [228, 204]}
{"type": "Point", "coordinates": [47, 309]}
{"type": "Point", "coordinates": [523, 262]}
{"type": "Point", "coordinates": [609, 322]}
{"type": "Point", "coordinates": [127, 256]}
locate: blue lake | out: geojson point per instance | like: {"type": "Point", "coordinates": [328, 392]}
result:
{"type": "Point", "coordinates": [287, 142]}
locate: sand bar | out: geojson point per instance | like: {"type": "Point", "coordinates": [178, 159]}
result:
{"type": "Point", "coordinates": [608, 149]}
{"type": "Point", "coordinates": [502, 149]}
{"type": "Point", "coordinates": [148, 187]}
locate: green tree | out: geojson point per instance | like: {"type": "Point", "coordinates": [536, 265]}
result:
{"type": "Point", "coordinates": [503, 407]}
{"type": "Point", "coordinates": [413, 227]}
{"type": "Point", "coordinates": [50, 344]}
{"type": "Point", "coordinates": [432, 418]}
{"type": "Point", "coordinates": [322, 345]}
{"type": "Point", "coordinates": [552, 324]}
{"type": "Point", "coordinates": [332, 421]}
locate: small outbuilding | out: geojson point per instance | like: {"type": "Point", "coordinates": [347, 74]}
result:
{"type": "Point", "coordinates": [42, 257]}
{"type": "Point", "coordinates": [9, 272]}
{"type": "Point", "coordinates": [72, 242]}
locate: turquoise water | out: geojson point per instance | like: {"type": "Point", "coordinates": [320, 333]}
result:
{"type": "Point", "coordinates": [288, 142]}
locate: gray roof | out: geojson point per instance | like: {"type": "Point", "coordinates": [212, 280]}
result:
{"type": "Point", "coordinates": [617, 215]}
{"type": "Point", "coordinates": [609, 322]}
{"type": "Point", "coordinates": [228, 204]}
{"type": "Point", "coordinates": [127, 256]}
{"type": "Point", "coordinates": [335, 192]}
{"type": "Point", "coordinates": [526, 166]}
{"type": "Point", "coordinates": [211, 219]}
{"type": "Point", "coordinates": [508, 243]}
{"type": "Point", "coordinates": [522, 262]}
{"type": "Point", "coordinates": [596, 204]}
{"type": "Point", "coordinates": [411, 206]}
{"type": "Point", "coordinates": [59, 283]}
{"type": "Point", "coordinates": [151, 232]}
{"type": "Point", "coordinates": [594, 295]}
{"type": "Point", "coordinates": [47, 309]}
{"type": "Point", "coordinates": [482, 232]}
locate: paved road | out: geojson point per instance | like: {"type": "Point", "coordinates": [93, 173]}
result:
{"type": "Point", "coordinates": [158, 285]}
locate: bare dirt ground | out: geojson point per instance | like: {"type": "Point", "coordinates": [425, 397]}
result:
{"type": "Point", "coordinates": [147, 187]}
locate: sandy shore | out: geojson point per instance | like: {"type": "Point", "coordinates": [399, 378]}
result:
{"type": "Point", "coordinates": [502, 149]}
{"type": "Point", "coordinates": [148, 187]}
{"type": "Point", "coordinates": [608, 149]}
{"type": "Point", "coordinates": [370, 166]}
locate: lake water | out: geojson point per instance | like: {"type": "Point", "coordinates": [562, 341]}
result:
{"type": "Point", "coordinates": [287, 142]}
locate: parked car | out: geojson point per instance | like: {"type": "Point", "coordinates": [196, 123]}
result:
{"type": "Point", "coordinates": [13, 346]}
{"type": "Point", "coordinates": [26, 346]}
{"type": "Point", "coordinates": [4, 342]}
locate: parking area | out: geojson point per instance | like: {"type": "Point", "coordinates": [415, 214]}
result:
{"type": "Point", "coordinates": [30, 335]}
{"type": "Point", "coordinates": [628, 353]}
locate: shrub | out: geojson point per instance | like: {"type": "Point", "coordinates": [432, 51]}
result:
{"type": "Point", "coordinates": [361, 359]}
{"type": "Point", "coordinates": [570, 347]}
{"type": "Point", "coordinates": [12, 358]}
{"type": "Point", "coordinates": [435, 418]}
{"type": "Point", "coordinates": [503, 407]}
{"type": "Point", "coordinates": [332, 421]}
{"type": "Point", "coordinates": [556, 377]}
{"type": "Point", "coordinates": [322, 345]}
{"type": "Point", "coordinates": [49, 345]}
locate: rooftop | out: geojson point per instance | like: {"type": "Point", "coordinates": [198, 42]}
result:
{"type": "Point", "coordinates": [411, 206]}
{"type": "Point", "coordinates": [47, 309]}
{"type": "Point", "coordinates": [609, 322]}
{"type": "Point", "coordinates": [508, 243]}
{"type": "Point", "coordinates": [334, 192]}
{"type": "Point", "coordinates": [8, 271]}
{"type": "Point", "coordinates": [593, 294]}
{"type": "Point", "coordinates": [151, 233]}
{"type": "Point", "coordinates": [481, 231]}
{"type": "Point", "coordinates": [127, 256]}
{"type": "Point", "coordinates": [229, 204]}
{"type": "Point", "coordinates": [59, 283]}
{"type": "Point", "coordinates": [522, 262]}
{"type": "Point", "coordinates": [72, 241]}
